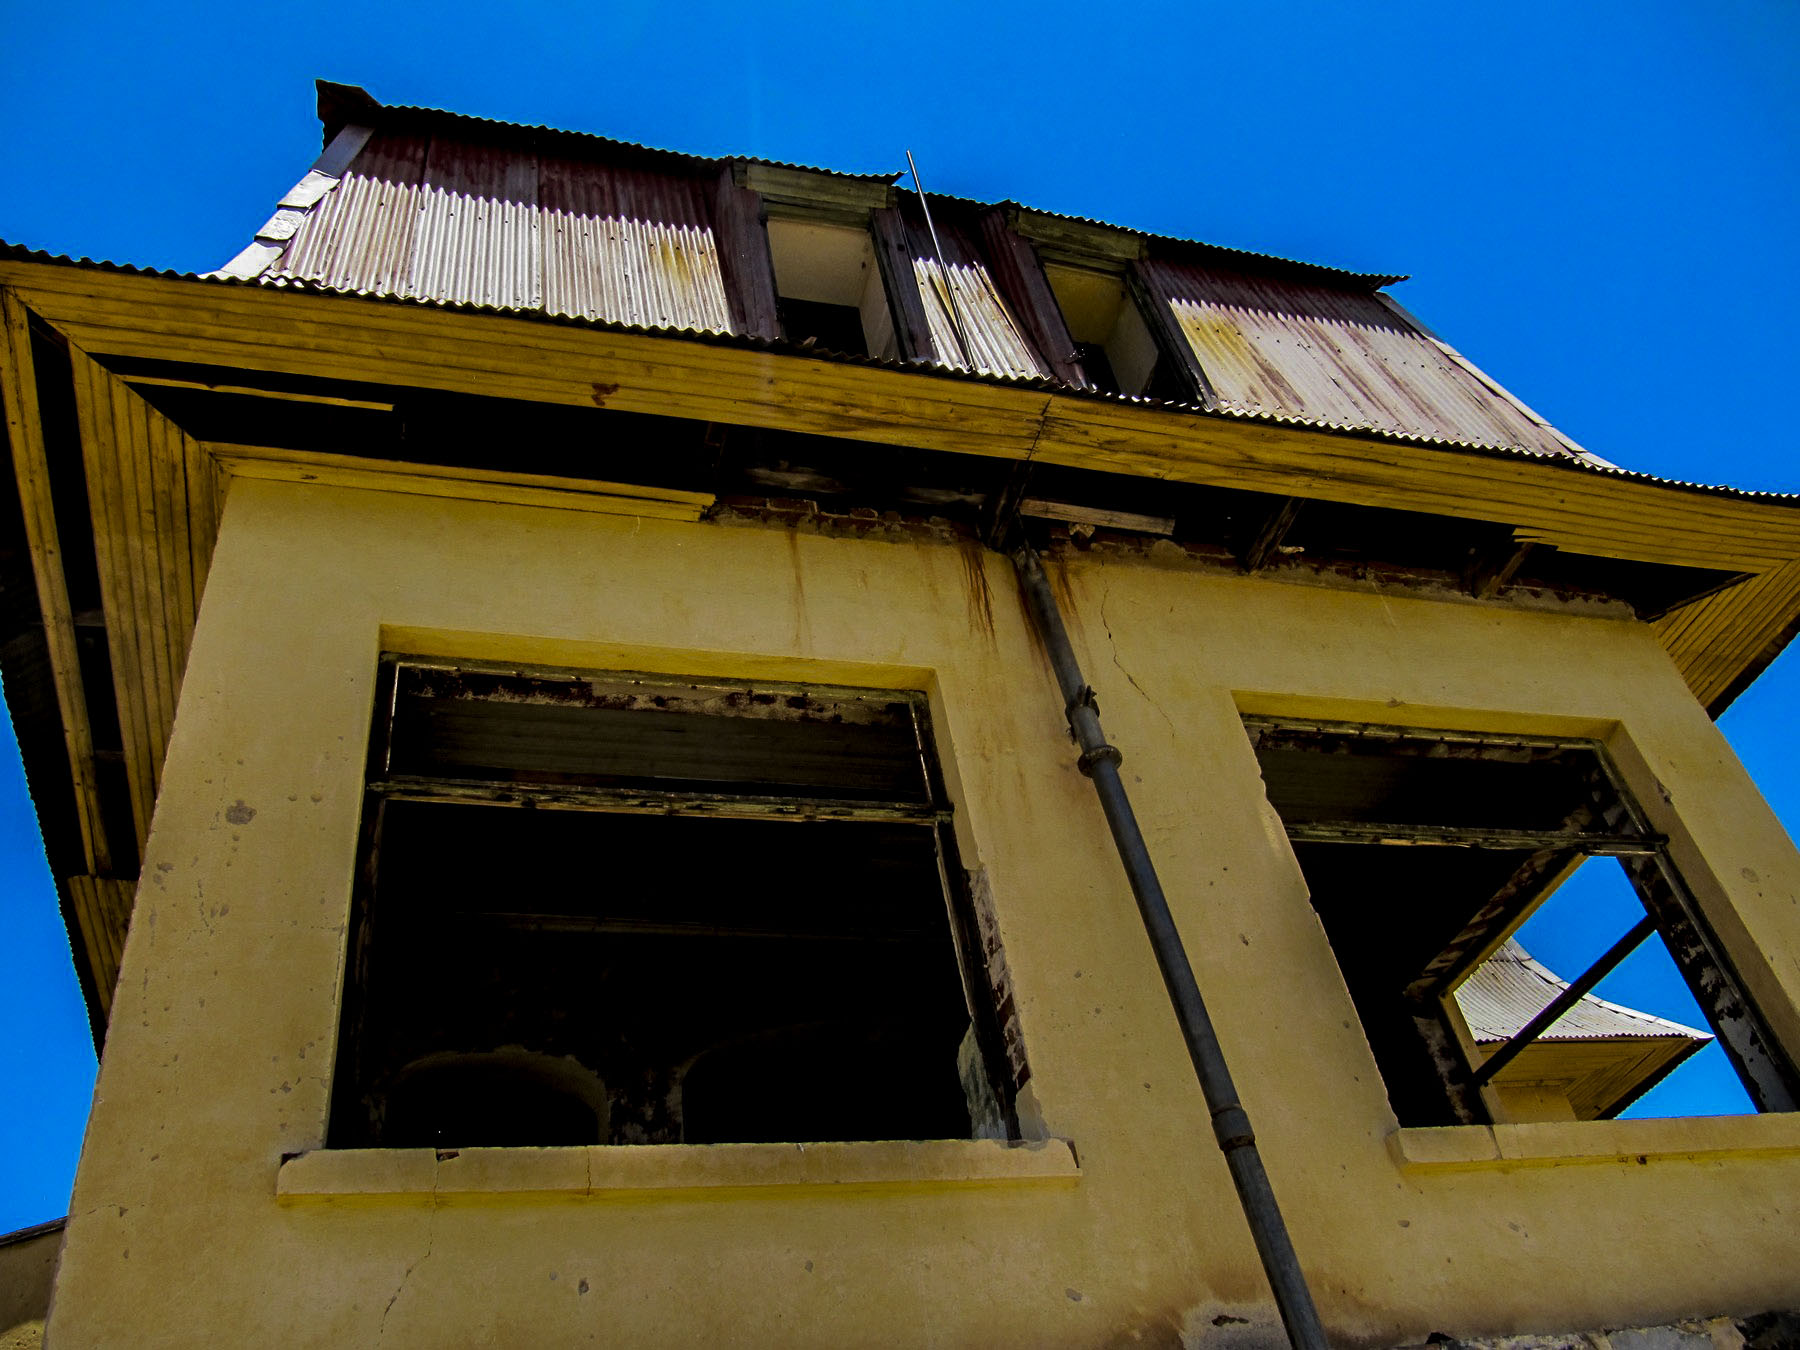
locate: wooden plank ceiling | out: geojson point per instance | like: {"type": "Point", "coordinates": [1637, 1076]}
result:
{"type": "Point", "coordinates": [154, 501]}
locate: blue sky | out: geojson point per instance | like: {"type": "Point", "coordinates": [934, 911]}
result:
{"type": "Point", "coordinates": [1598, 204]}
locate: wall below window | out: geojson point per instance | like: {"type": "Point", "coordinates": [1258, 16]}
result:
{"type": "Point", "coordinates": [188, 1228]}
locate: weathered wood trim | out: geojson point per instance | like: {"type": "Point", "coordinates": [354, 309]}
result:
{"type": "Point", "coordinates": [816, 192]}
{"type": "Point", "coordinates": [1080, 242]}
{"type": "Point", "coordinates": [894, 255]}
{"type": "Point", "coordinates": [346, 338]}
{"type": "Point", "coordinates": [102, 908]}
{"type": "Point", "coordinates": [1270, 534]}
{"type": "Point", "coordinates": [748, 270]}
{"type": "Point", "coordinates": [428, 480]}
{"type": "Point", "coordinates": [1147, 287]}
{"type": "Point", "coordinates": [1714, 641]}
{"type": "Point", "coordinates": [134, 681]}
{"type": "Point", "coordinates": [1496, 567]}
{"type": "Point", "coordinates": [1018, 274]}
{"type": "Point", "coordinates": [24, 429]}
{"type": "Point", "coordinates": [152, 496]}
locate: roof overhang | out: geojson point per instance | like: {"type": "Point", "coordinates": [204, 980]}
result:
{"type": "Point", "coordinates": [155, 489]}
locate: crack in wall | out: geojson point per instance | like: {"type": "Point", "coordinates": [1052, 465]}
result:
{"type": "Point", "coordinates": [1112, 648]}
{"type": "Point", "coordinates": [430, 1244]}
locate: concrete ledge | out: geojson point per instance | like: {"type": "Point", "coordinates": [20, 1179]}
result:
{"type": "Point", "coordinates": [673, 1169]}
{"type": "Point", "coordinates": [1558, 1143]}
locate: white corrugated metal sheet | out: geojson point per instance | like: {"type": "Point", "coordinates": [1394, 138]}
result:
{"type": "Point", "coordinates": [996, 346]}
{"type": "Point", "coordinates": [1510, 988]}
{"type": "Point", "coordinates": [431, 218]}
{"type": "Point", "coordinates": [1337, 357]}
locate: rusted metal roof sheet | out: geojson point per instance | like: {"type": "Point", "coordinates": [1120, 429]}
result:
{"type": "Point", "coordinates": [474, 222]}
{"type": "Point", "coordinates": [1342, 358]}
{"type": "Point", "coordinates": [1510, 988]}
{"type": "Point", "coordinates": [996, 344]}
{"type": "Point", "coordinates": [624, 242]}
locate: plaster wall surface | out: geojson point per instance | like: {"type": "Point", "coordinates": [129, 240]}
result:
{"type": "Point", "coordinates": [27, 1269]}
{"type": "Point", "coordinates": [187, 1228]}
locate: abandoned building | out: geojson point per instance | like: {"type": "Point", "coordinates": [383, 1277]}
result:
{"type": "Point", "coordinates": [659, 750]}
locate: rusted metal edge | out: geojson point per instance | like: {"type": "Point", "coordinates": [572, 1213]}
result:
{"type": "Point", "coordinates": [1606, 845]}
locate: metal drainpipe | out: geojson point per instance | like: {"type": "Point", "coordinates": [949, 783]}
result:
{"type": "Point", "coordinates": [1231, 1125]}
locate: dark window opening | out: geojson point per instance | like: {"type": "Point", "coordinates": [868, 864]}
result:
{"type": "Point", "coordinates": [835, 328]}
{"type": "Point", "coordinates": [618, 909]}
{"type": "Point", "coordinates": [829, 288]}
{"type": "Point", "coordinates": [1096, 366]}
{"type": "Point", "coordinates": [1167, 381]}
{"type": "Point", "coordinates": [1423, 852]}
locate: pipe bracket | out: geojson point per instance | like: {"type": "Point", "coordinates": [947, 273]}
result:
{"type": "Point", "coordinates": [1100, 754]}
{"type": "Point", "coordinates": [1231, 1126]}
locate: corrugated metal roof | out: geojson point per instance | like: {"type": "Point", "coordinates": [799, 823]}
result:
{"type": "Point", "coordinates": [23, 253]}
{"type": "Point", "coordinates": [451, 209]}
{"type": "Point", "coordinates": [998, 347]}
{"type": "Point", "coordinates": [1510, 988]}
{"type": "Point", "coordinates": [472, 222]}
{"type": "Point", "coordinates": [1344, 358]}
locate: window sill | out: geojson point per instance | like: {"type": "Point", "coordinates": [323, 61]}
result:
{"type": "Point", "coordinates": [1561, 1143]}
{"type": "Point", "coordinates": [691, 1170]}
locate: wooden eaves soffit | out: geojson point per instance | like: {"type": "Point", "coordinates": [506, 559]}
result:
{"type": "Point", "coordinates": [119, 488]}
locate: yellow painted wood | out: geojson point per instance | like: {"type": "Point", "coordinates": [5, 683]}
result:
{"type": "Point", "coordinates": [339, 337]}
{"type": "Point", "coordinates": [572, 494]}
{"type": "Point", "coordinates": [284, 395]}
{"type": "Point", "coordinates": [18, 390]}
{"type": "Point", "coordinates": [99, 422]}
{"type": "Point", "coordinates": [102, 909]}
{"type": "Point", "coordinates": [1712, 640]}
{"type": "Point", "coordinates": [153, 535]}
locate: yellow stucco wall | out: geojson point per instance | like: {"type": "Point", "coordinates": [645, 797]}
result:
{"type": "Point", "coordinates": [219, 1057]}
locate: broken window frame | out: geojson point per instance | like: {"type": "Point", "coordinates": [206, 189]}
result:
{"type": "Point", "coordinates": [998, 1059]}
{"type": "Point", "coordinates": [1610, 822]}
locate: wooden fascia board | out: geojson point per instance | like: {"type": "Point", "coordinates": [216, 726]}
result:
{"type": "Point", "coordinates": [349, 338]}
{"type": "Point", "coordinates": [18, 392]}
{"type": "Point", "coordinates": [424, 480]}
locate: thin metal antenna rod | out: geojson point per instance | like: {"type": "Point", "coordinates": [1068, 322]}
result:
{"type": "Point", "coordinates": [1231, 1125]}
{"type": "Point", "coordinates": [937, 249]}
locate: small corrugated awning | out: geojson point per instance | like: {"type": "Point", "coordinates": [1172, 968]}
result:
{"type": "Point", "coordinates": [1510, 988]}
{"type": "Point", "coordinates": [1602, 1056]}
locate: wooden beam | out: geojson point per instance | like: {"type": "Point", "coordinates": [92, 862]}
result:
{"type": "Point", "coordinates": [748, 271]}
{"type": "Point", "coordinates": [894, 254]}
{"type": "Point", "coordinates": [254, 391]}
{"type": "Point", "coordinates": [1492, 568]}
{"type": "Point", "coordinates": [430, 480]}
{"type": "Point", "coordinates": [1019, 276]}
{"type": "Point", "coordinates": [1270, 534]}
{"type": "Point", "coordinates": [1097, 517]}
{"type": "Point", "coordinates": [24, 429]}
